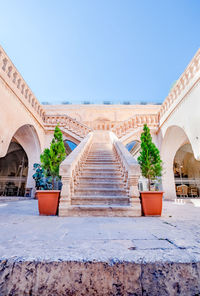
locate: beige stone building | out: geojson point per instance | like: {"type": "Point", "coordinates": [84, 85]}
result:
{"type": "Point", "coordinates": [26, 128]}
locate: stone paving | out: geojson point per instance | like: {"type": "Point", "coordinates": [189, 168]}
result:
{"type": "Point", "coordinates": [174, 237]}
{"type": "Point", "coordinates": [99, 256]}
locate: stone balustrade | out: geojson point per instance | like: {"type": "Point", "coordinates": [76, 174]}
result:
{"type": "Point", "coordinates": [181, 84]}
{"type": "Point", "coordinates": [70, 170]}
{"type": "Point", "coordinates": [15, 81]}
{"type": "Point", "coordinates": [68, 123]}
{"type": "Point", "coordinates": [130, 169]}
{"type": "Point", "coordinates": [137, 121]}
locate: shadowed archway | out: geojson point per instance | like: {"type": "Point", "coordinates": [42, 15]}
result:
{"type": "Point", "coordinates": [13, 171]}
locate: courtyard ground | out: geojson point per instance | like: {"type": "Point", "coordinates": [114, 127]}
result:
{"type": "Point", "coordinates": [26, 235]}
{"type": "Point", "coordinates": [173, 238]}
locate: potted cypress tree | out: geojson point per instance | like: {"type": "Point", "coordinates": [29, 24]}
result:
{"type": "Point", "coordinates": [151, 168]}
{"type": "Point", "coordinates": [50, 162]}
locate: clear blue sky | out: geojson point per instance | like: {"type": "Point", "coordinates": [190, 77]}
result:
{"type": "Point", "coordinates": [96, 50]}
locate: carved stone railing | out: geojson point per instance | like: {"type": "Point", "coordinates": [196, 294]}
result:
{"type": "Point", "coordinates": [137, 121]}
{"type": "Point", "coordinates": [15, 81]}
{"type": "Point", "coordinates": [130, 169]}
{"type": "Point", "coordinates": [17, 84]}
{"type": "Point", "coordinates": [178, 89]}
{"type": "Point", "coordinates": [70, 170]}
{"type": "Point", "coordinates": [68, 123]}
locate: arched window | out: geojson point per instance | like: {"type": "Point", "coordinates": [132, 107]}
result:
{"type": "Point", "coordinates": [69, 146]}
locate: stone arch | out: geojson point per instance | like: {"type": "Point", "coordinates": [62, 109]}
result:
{"type": "Point", "coordinates": [133, 147]}
{"type": "Point", "coordinates": [69, 145]}
{"type": "Point", "coordinates": [71, 139]}
{"type": "Point", "coordinates": [28, 138]}
{"type": "Point", "coordinates": [133, 136]}
{"type": "Point", "coordinates": [13, 170]}
{"type": "Point", "coordinates": [186, 172]}
{"type": "Point", "coordinates": [174, 138]}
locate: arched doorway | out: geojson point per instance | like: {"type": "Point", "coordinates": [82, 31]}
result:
{"type": "Point", "coordinates": [13, 171]}
{"type": "Point", "coordinates": [186, 172]}
{"type": "Point", "coordinates": [175, 137]}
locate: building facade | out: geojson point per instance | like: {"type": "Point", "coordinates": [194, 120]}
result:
{"type": "Point", "coordinates": [26, 128]}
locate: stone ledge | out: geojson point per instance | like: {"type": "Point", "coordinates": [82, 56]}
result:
{"type": "Point", "coordinates": [98, 278]}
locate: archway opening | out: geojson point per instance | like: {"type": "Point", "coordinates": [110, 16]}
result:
{"type": "Point", "coordinates": [69, 146]}
{"type": "Point", "coordinates": [186, 173]}
{"type": "Point", "coordinates": [134, 148]}
{"type": "Point", "coordinates": [13, 171]}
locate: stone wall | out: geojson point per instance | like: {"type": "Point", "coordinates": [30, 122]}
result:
{"type": "Point", "coordinates": [98, 278]}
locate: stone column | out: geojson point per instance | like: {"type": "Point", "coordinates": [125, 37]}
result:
{"type": "Point", "coordinates": [168, 182]}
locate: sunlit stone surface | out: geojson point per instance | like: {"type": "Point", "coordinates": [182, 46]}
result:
{"type": "Point", "coordinates": [108, 255]}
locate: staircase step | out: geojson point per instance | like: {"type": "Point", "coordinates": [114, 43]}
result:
{"type": "Point", "coordinates": [101, 167]}
{"type": "Point", "coordinates": [100, 184]}
{"type": "Point", "coordinates": [103, 160]}
{"type": "Point", "coordinates": [91, 178]}
{"type": "Point", "coordinates": [96, 174]}
{"type": "Point", "coordinates": [96, 160]}
{"type": "Point", "coordinates": [100, 200]}
{"type": "Point", "coordinates": [101, 155]}
{"type": "Point", "coordinates": [100, 191]}
{"type": "Point", "coordinates": [100, 211]}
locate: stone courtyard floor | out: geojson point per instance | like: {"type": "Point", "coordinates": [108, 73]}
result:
{"type": "Point", "coordinates": [98, 256]}
{"type": "Point", "coordinates": [25, 235]}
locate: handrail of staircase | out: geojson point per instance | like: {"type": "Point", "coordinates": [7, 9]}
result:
{"type": "Point", "coordinates": [70, 169]}
{"type": "Point", "coordinates": [67, 122]}
{"type": "Point", "coordinates": [138, 120]}
{"type": "Point", "coordinates": [130, 169]}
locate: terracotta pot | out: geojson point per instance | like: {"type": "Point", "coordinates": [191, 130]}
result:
{"type": "Point", "coordinates": [152, 203]}
{"type": "Point", "coordinates": [48, 201]}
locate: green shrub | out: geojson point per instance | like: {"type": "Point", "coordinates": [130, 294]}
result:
{"type": "Point", "coordinates": [52, 158]}
{"type": "Point", "coordinates": [149, 159]}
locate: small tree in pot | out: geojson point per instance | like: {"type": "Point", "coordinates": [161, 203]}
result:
{"type": "Point", "coordinates": [50, 162]}
{"type": "Point", "coordinates": [151, 168]}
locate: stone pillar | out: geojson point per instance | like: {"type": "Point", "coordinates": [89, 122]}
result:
{"type": "Point", "coordinates": [33, 157]}
{"type": "Point", "coordinates": [168, 182]}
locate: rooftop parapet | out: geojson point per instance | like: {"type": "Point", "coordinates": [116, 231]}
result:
{"type": "Point", "coordinates": [180, 87]}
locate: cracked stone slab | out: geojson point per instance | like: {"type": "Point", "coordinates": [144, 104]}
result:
{"type": "Point", "coordinates": [153, 244]}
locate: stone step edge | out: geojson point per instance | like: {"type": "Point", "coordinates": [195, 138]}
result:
{"type": "Point", "coordinates": [102, 183]}
{"type": "Point", "coordinates": [100, 197]}
{"type": "Point", "coordinates": [101, 177]}
{"type": "Point", "coordinates": [100, 211]}
{"type": "Point", "coordinates": [101, 189]}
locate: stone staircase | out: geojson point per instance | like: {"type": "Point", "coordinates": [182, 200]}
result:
{"type": "Point", "coordinates": [101, 190]}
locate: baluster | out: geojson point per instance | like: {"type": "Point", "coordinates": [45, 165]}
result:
{"type": "Point", "coordinates": [14, 77]}
{"type": "Point", "coordinates": [26, 93]}
{"type": "Point", "coordinates": [18, 83]}
{"type": "Point", "coordinates": [5, 61]}
{"type": "Point", "coordinates": [9, 71]}
{"type": "Point", "coordinates": [22, 88]}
